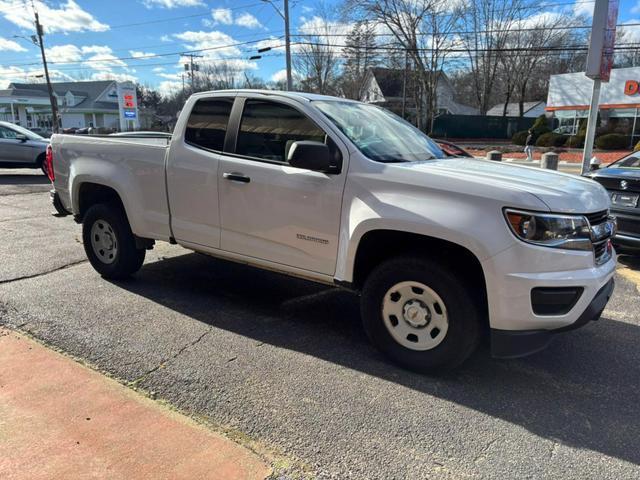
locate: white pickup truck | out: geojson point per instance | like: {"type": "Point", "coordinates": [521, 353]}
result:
{"type": "Point", "coordinates": [347, 194]}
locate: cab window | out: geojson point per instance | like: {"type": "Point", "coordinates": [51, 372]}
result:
{"type": "Point", "coordinates": [207, 124]}
{"type": "Point", "coordinates": [268, 129]}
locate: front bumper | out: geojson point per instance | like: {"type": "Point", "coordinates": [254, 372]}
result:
{"type": "Point", "coordinates": [519, 343]}
{"type": "Point", "coordinates": [512, 275]}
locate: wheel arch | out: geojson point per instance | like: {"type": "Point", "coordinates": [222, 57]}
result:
{"type": "Point", "coordinates": [91, 193]}
{"type": "Point", "coordinates": [376, 246]}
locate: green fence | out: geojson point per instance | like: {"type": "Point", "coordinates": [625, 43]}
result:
{"type": "Point", "coordinates": [479, 126]}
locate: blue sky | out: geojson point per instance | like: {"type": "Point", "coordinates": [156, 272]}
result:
{"type": "Point", "coordinates": [93, 39]}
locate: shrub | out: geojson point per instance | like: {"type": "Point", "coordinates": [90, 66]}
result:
{"type": "Point", "coordinates": [576, 141]}
{"type": "Point", "coordinates": [551, 139]}
{"type": "Point", "coordinates": [520, 138]}
{"type": "Point", "coordinates": [541, 126]}
{"type": "Point", "coordinates": [612, 141]}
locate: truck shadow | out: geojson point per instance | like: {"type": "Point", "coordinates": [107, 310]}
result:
{"type": "Point", "coordinates": [16, 179]}
{"type": "Point", "coordinates": [583, 391]}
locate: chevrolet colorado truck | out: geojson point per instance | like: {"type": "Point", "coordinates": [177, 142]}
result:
{"type": "Point", "coordinates": [343, 193]}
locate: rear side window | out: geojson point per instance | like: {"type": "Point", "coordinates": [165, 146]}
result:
{"type": "Point", "coordinates": [269, 129]}
{"type": "Point", "coordinates": [207, 124]}
{"type": "Point", "coordinates": [6, 133]}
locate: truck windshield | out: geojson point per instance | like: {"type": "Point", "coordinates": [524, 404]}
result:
{"type": "Point", "coordinates": [378, 133]}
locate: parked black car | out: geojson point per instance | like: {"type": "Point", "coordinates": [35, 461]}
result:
{"type": "Point", "coordinates": [622, 181]}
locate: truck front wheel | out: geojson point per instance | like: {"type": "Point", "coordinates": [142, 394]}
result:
{"type": "Point", "coordinates": [109, 242]}
{"type": "Point", "coordinates": [420, 314]}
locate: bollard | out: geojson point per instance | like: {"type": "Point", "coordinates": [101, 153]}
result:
{"type": "Point", "coordinates": [494, 155]}
{"type": "Point", "coordinates": [549, 161]}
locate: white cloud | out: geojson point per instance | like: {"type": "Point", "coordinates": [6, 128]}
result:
{"type": "Point", "coordinates": [64, 53]}
{"type": "Point", "coordinates": [10, 46]}
{"type": "Point", "coordinates": [16, 74]}
{"type": "Point", "coordinates": [209, 40]}
{"type": "Point", "coordinates": [307, 9]}
{"type": "Point", "coordinates": [169, 87]}
{"type": "Point", "coordinates": [631, 34]}
{"type": "Point", "coordinates": [247, 20]}
{"type": "Point", "coordinates": [157, 69]}
{"type": "Point", "coordinates": [141, 55]}
{"type": "Point", "coordinates": [636, 8]}
{"type": "Point", "coordinates": [583, 8]}
{"type": "Point", "coordinates": [222, 15]}
{"type": "Point", "coordinates": [99, 49]}
{"type": "Point", "coordinates": [120, 77]}
{"type": "Point", "coordinates": [279, 76]}
{"type": "Point", "coordinates": [173, 3]}
{"type": "Point", "coordinates": [67, 17]}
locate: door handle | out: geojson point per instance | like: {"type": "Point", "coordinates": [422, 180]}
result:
{"type": "Point", "coordinates": [236, 177]}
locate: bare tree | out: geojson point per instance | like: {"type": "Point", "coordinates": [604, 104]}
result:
{"type": "Point", "coordinates": [534, 41]}
{"type": "Point", "coordinates": [486, 28]}
{"type": "Point", "coordinates": [317, 56]}
{"type": "Point", "coordinates": [424, 29]}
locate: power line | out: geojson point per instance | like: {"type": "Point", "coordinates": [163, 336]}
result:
{"type": "Point", "coordinates": [155, 55]}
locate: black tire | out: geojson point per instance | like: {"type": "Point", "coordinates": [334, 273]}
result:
{"type": "Point", "coordinates": [40, 164]}
{"type": "Point", "coordinates": [127, 258]}
{"type": "Point", "coordinates": [463, 313]}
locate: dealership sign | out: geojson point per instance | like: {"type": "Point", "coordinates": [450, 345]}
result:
{"type": "Point", "coordinates": [631, 87]}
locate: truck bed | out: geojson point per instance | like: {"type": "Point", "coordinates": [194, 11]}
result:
{"type": "Point", "coordinates": [133, 164]}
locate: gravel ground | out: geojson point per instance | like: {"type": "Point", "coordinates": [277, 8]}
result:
{"type": "Point", "coordinates": [285, 363]}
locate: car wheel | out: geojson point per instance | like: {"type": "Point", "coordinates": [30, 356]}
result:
{"type": "Point", "coordinates": [419, 314]}
{"type": "Point", "coordinates": [109, 242]}
{"type": "Point", "coordinates": [40, 164]}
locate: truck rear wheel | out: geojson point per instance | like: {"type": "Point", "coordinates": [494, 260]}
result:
{"type": "Point", "coordinates": [109, 242]}
{"type": "Point", "coordinates": [419, 314]}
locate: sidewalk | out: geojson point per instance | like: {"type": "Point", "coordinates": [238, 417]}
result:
{"type": "Point", "coordinates": [61, 420]}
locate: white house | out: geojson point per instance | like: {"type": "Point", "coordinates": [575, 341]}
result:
{"type": "Point", "coordinates": [104, 103]}
{"type": "Point", "coordinates": [385, 87]}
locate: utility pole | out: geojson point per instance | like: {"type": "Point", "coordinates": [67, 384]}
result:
{"type": "Point", "coordinates": [404, 83]}
{"type": "Point", "coordinates": [287, 45]}
{"type": "Point", "coordinates": [192, 68]}
{"type": "Point", "coordinates": [52, 98]}
{"type": "Point", "coordinates": [287, 39]}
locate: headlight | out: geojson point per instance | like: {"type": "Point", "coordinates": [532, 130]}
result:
{"type": "Point", "coordinates": [550, 230]}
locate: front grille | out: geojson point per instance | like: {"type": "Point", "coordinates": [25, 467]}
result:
{"type": "Point", "coordinates": [601, 247]}
{"type": "Point", "coordinates": [598, 217]}
{"type": "Point", "coordinates": [628, 225]}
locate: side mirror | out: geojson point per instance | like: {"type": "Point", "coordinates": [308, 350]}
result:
{"type": "Point", "coordinates": [309, 155]}
{"type": "Point", "coordinates": [22, 137]}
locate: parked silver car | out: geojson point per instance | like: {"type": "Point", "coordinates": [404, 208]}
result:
{"type": "Point", "coordinates": [20, 147]}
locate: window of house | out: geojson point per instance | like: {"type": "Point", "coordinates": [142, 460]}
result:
{"type": "Point", "coordinates": [207, 124]}
{"type": "Point", "coordinates": [269, 129]}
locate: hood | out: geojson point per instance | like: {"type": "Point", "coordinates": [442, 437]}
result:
{"type": "Point", "coordinates": [561, 192]}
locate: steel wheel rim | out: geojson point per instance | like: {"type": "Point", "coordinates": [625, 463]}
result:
{"type": "Point", "coordinates": [104, 242]}
{"type": "Point", "coordinates": [415, 316]}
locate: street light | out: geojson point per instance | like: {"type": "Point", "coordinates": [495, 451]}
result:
{"type": "Point", "coordinates": [287, 39]}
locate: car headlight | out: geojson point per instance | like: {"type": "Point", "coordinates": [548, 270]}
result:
{"type": "Point", "coordinates": [550, 230]}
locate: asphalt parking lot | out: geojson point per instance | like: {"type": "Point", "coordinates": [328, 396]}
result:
{"type": "Point", "coordinates": [283, 363]}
